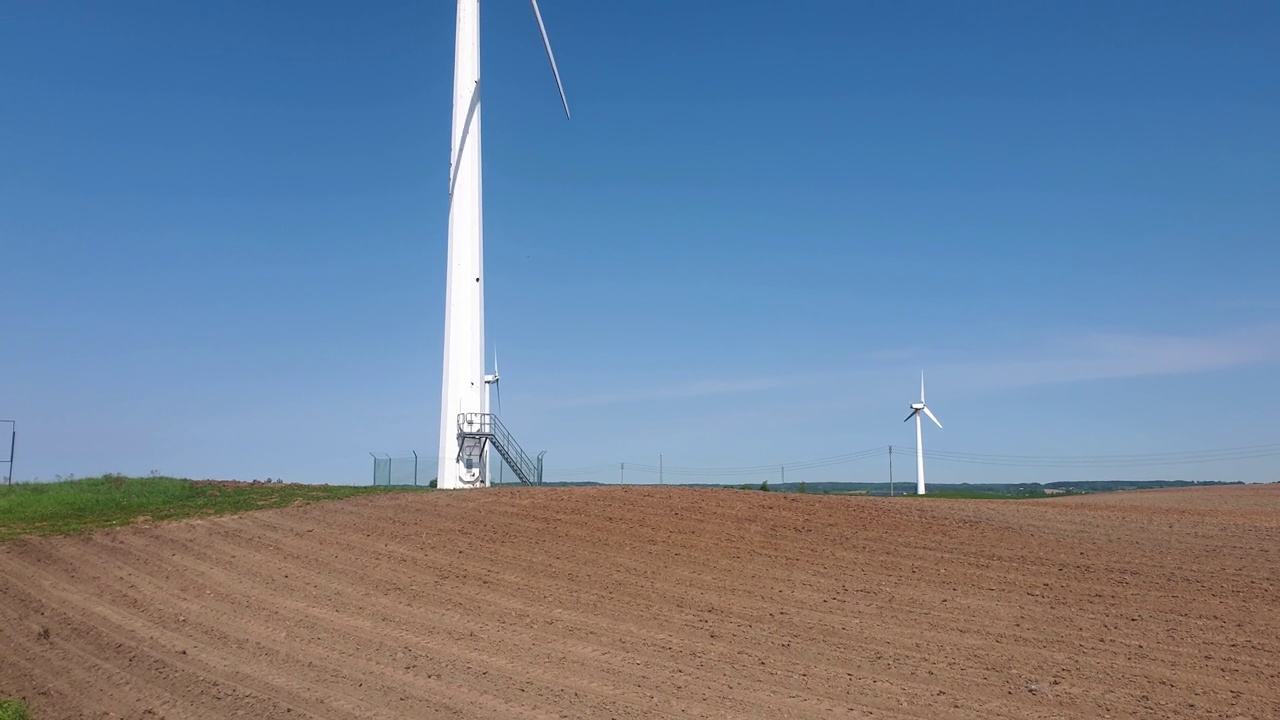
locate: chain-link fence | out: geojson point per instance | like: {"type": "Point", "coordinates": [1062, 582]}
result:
{"type": "Point", "coordinates": [410, 470]}
{"type": "Point", "coordinates": [417, 469]}
{"type": "Point", "coordinates": [8, 439]}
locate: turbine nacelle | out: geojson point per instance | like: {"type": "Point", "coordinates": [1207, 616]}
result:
{"type": "Point", "coordinates": [918, 408]}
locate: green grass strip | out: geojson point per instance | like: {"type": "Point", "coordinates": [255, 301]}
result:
{"type": "Point", "coordinates": [14, 710]}
{"type": "Point", "coordinates": [113, 500]}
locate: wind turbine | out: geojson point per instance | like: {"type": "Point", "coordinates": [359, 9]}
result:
{"type": "Point", "coordinates": [495, 391]}
{"type": "Point", "coordinates": [463, 387]}
{"type": "Point", "coordinates": [916, 409]}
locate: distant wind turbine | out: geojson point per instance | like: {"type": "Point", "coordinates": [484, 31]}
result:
{"type": "Point", "coordinates": [492, 392]}
{"type": "Point", "coordinates": [463, 387]}
{"type": "Point", "coordinates": [916, 409]}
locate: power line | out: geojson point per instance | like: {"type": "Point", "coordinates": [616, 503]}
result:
{"type": "Point", "coordinates": [1133, 460]}
{"type": "Point", "coordinates": [1271, 447]}
{"type": "Point", "coordinates": [1097, 462]}
{"type": "Point", "coordinates": [761, 469]}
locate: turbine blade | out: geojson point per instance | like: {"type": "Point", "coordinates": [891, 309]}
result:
{"type": "Point", "coordinates": [550, 56]}
{"type": "Point", "coordinates": [929, 412]}
{"type": "Point", "coordinates": [921, 386]}
{"type": "Point", "coordinates": [913, 414]}
{"type": "Point", "coordinates": [497, 398]}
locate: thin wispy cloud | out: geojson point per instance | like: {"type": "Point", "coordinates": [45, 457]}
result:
{"type": "Point", "coordinates": [1067, 358]}
{"type": "Point", "coordinates": [702, 388]}
{"type": "Point", "coordinates": [892, 354]}
{"type": "Point", "coordinates": [1102, 356]}
{"type": "Point", "coordinates": [1250, 304]}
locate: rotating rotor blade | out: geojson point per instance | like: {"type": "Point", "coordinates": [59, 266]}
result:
{"type": "Point", "coordinates": [550, 56]}
{"type": "Point", "coordinates": [913, 414]}
{"type": "Point", "coordinates": [929, 412]}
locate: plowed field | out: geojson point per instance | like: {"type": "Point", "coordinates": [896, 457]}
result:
{"type": "Point", "coordinates": [659, 602]}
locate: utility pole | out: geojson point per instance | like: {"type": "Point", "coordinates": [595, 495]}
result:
{"type": "Point", "coordinates": [890, 471]}
{"type": "Point", "coordinates": [13, 440]}
{"type": "Point", "coordinates": [660, 470]}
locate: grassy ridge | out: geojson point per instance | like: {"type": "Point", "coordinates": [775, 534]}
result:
{"type": "Point", "coordinates": [66, 507]}
{"type": "Point", "coordinates": [13, 710]}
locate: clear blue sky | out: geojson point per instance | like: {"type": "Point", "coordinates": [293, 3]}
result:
{"type": "Point", "coordinates": [223, 231]}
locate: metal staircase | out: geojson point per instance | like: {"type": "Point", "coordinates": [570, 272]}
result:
{"type": "Point", "coordinates": [476, 429]}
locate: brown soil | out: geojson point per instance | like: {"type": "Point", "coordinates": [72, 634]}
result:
{"type": "Point", "coordinates": [659, 602]}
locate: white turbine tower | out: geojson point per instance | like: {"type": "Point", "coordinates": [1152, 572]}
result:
{"type": "Point", "coordinates": [916, 409]}
{"type": "Point", "coordinates": [463, 388]}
